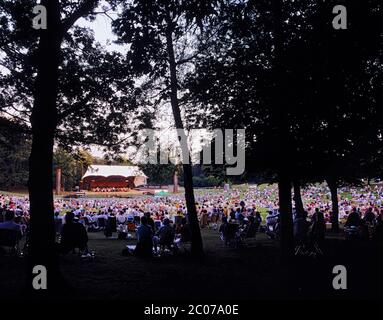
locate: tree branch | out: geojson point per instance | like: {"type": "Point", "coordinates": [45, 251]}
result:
{"type": "Point", "coordinates": [199, 51]}
{"type": "Point", "coordinates": [82, 10]}
{"type": "Point", "coordinates": [13, 116]}
{"type": "Point", "coordinates": [188, 59]}
{"type": "Point", "coordinates": [76, 106]}
{"type": "Point", "coordinates": [105, 13]}
{"type": "Point", "coordinates": [12, 125]}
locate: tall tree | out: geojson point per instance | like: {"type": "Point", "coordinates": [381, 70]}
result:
{"type": "Point", "coordinates": [14, 152]}
{"type": "Point", "coordinates": [345, 96]}
{"type": "Point", "coordinates": [283, 133]}
{"type": "Point", "coordinates": [297, 85]}
{"type": "Point", "coordinates": [157, 32]}
{"type": "Point", "coordinates": [66, 89]}
{"type": "Point", "coordinates": [239, 82]}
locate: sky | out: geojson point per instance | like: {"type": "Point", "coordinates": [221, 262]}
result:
{"type": "Point", "coordinates": [102, 29]}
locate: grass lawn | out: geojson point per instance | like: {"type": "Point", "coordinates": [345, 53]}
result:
{"type": "Point", "coordinates": [200, 191]}
{"type": "Point", "coordinates": [15, 193]}
{"type": "Point", "coordinates": [250, 273]}
{"type": "Point", "coordinates": [253, 272]}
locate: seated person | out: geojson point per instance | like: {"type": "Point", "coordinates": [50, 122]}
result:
{"type": "Point", "coordinates": [10, 224]}
{"type": "Point", "coordinates": [184, 231]}
{"type": "Point", "coordinates": [301, 227]}
{"type": "Point", "coordinates": [223, 225]}
{"type": "Point", "coordinates": [228, 230]}
{"type": "Point", "coordinates": [318, 229]}
{"type": "Point", "coordinates": [73, 235]}
{"type": "Point", "coordinates": [58, 223]}
{"type": "Point", "coordinates": [111, 225]}
{"type": "Point", "coordinates": [204, 219]}
{"type": "Point", "coordinates": [165, 235]}
{"type": "Point", "coordinates": [271, 218]}
{"type": "Point", "coordinates": [90, 221]}
{"type": "Point", "coordinates": [144, 239]}
{"type": "Point", "coordinates": [258, 220]}
{"type": "Point", "coordinates": [150, 220]}
{"type": "Point", "coordinates": [353, 220]}
{"type": "Point", "coordinates": [250, 228]}
{"type": "Point", "coordinates": [232, 214]}
{"type": "Point", "coordinates": [369, 217]}
{"type": "Point", "coordinates": [238, 215]}
{"type": "Point", "coordinates": [101, 219]}
{"type": "Point", "coordinates": [121, 218]}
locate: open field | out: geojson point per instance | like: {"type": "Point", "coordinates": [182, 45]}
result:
{"type": "Point", "coordinates": [241, 191]}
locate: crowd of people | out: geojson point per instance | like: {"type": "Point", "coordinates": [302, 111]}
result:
{"type": "Point", "coordinates": [358, 207]}
{"type": "Point", "coordinates": [111, 189]}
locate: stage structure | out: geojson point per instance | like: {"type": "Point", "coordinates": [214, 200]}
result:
{"type": "Point", "coordinates": [104, 176]}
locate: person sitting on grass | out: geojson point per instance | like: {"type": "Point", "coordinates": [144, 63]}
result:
{"type": "Point", "coordinates": [238, 214]}
{"type": "Point", "coordinates": [222, 227]}
{"type": "Point", "coordinates": [73, 235]}
{"type": "Point", "coordinates": [144, 247]}
{"type": "Point", "coordinates": [318, 228]}
{"type": "Point", "coordinates": [369, 217]}
{"type": "Point", "coordinates": [164, 236]}
{"type": "Point", "coordinates": [121, 218]}
{"type": "Point", "coordinates": [250, 228]}
{"type": "Point", "coordinates": [232, 214]}
{"type": "Point", "coordinates": [258, 220]}
{"type": "Point", "coordinates": [353, 219]}
{"type": "Point", "coordinates": [229, 231]}
{"type": "Point", "coordinates": [150, 221]}
{"type": "Point", "coordinates": [111, 224]}
{"type": "Point", "coordinates": [184, 231]}
{"type": "Point", "coordinates": [301, 228]}
{"type": "Point", "coordinates": [183, 236]}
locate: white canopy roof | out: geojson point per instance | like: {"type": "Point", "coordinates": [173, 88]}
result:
{"type": "Point", "coordinates": [107, 171]}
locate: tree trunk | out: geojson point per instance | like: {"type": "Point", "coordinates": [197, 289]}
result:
{"type": "Point", "coordinates": [285, 210]}
{"type": "Point", "coordinates": [197, 247]}
{"type": "Point", "coordinates": [297, 196]}
{"type": "Point", "coordinates": [43, 120]}
{"type": "Point", "coordinates": [333, 186]}
{"type": "Point", "coordinates": [283, 134]}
